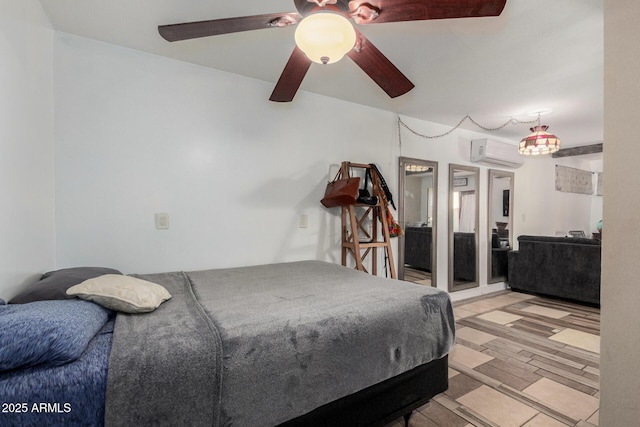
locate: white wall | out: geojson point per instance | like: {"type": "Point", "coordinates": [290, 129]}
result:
{"type": "Point", "coordinates": [539, 209]}
{"type": "Point", "coordinates": [499, 185]}
{"type": "Point", "coordinates": [417, 206]}
{"type": "Point", "coordinates": [415, 200]}
{"type": "Point", "coordinates": [26, 144]}
{"type": "Point", "coordinates": [596, 201]}
{"type": "Point", "coordinates": [138, 134]}
{"type": "Point", "coordinates": [620, 326]}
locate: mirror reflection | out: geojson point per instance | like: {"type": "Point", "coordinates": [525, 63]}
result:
{"type": "Point", "coordinates": [463, 227]}
{"type": "Point", "coordinates": [500, 215]}
{"type": "Point", "coordinates": [417, 212]}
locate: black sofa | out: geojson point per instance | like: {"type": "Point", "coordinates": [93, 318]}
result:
{"type": "Point", "coordinates": [499, 255]}
{"type": "Point", "coordinates": [417, 247]}
{"type": "Point", "coordinates": [565, 267]}
{"type": "Point", "coordinates": [464, 257]}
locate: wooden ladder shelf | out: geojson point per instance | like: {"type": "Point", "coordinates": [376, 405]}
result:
{"type": "Point", "coordinates": [360, 234]}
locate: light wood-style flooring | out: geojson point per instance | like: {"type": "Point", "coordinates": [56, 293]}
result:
{"type": "Point", "coordinates": [414, 275]}
{"type": "Point", "coordinates": [519, 360]}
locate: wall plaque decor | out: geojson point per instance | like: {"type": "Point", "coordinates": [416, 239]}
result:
{"type": "Point", "coordinates": [571, 180]}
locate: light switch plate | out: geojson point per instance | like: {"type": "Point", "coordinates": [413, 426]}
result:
{"type": "Point", "coordinates": [162, 221]}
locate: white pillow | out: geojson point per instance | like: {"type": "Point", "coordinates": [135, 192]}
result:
{"type": "Point", "coordinates": [121, 293]}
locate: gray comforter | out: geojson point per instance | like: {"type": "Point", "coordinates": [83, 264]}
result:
{"type": "Point", "coordinates": [260, 345]}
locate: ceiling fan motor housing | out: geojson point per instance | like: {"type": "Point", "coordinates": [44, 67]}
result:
{"type": "Point", "coordinates": [307, 7]}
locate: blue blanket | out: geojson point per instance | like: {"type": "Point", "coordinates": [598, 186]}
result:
{"type": "Point", "coordinates": [69, 395]}
{"type": "Point", "coordinates": [47, 332]}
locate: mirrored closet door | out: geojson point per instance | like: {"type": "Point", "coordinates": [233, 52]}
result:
{"type": "Point", "coordinates": [417, 209]}
{"type": "Point", "coordinates": [463, 227]}
{"type": "Point", "coordinates": [500, 216]}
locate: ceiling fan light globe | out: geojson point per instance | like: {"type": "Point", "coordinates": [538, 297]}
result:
{"type": "Point", "coordinates": [325, 37]}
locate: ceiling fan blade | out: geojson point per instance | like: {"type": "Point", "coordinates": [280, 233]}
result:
{"type": "Point", "coordinates": [292, 76]}
{"type": "Point", "coordinates": [379, 11]}
{"type": "Point", "coordinates": [193, 30]}
{"type": "Point", "coordinates": [379, 68]}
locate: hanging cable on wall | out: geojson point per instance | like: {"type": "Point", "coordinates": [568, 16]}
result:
{"type": "Point", "coordinates": [511, 121]}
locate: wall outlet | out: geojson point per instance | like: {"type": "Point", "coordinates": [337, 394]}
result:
{"type": "Point", "coordinates": [162, 221]}
{"type": "Point", "coordinates": [304, 221]}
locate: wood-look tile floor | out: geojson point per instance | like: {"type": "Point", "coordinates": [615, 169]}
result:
{"type": "Point", "coordinates": [519, 360]}
{"type": "Point", "coordinates": [417, 276]}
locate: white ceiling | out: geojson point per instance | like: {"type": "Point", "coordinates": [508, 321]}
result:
{"type": "Point", "coordinates": [537, 54]}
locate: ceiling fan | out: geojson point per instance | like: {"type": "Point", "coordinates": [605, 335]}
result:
{"type": "Point", "coordinates": [347, 39]}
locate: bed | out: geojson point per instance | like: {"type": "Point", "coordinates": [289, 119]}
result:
{"type": "Point", "coordinates": [293, 344]}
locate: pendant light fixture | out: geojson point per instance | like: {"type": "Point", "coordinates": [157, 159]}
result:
{"type": "Point", "coordinates": [539, 141]}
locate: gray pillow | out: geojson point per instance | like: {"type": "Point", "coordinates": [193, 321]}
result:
{"type": "Point", "coordinates": [54, 284]}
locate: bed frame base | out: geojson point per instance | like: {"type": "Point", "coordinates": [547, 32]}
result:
{"type": "Point", "coordinates": [382, 403]}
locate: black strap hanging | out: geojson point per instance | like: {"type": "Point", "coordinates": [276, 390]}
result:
{"type": "Point", "coordinates": [363, 194]}
{"type": "Point", "coordinates": [384, 185]}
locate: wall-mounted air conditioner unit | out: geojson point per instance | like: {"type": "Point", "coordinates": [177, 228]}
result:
{"type": "Point", "coordinates": [492, 152]}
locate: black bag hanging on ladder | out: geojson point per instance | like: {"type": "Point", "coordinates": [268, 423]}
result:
{"type": "Point", "coordinates": [394, 227]}
{"type": "Point", "coordinates": [384, 185]}
{"type": "Point", "coordinates": [364, 196]}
